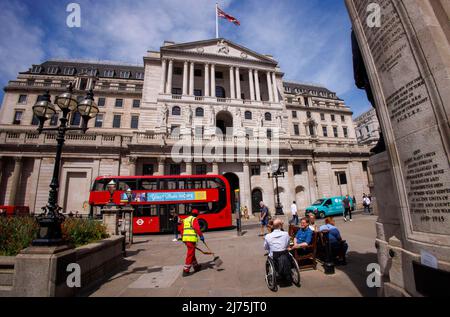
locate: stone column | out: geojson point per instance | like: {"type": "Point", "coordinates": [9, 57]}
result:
{"type": "Point", "coordinates": [34, 185]}
{"type": "Point", "coordinates": [232, 92]}
{"type": "Point", "coordinates": [251, 84]}
{"type": "Point", "coordinates": [258, 91]}
{"type": "Point", "coordinates": [247, 189]}
{"type": "Point", "coordinates": [162, 88]}
{"type": "Point", "coordinates": [188, 167]}
{"type": "Point", "coordinates": [185, 78]}
{"type": "Point", "coordinates": [15, 180]}
{"type": "Point", "coordinates": [169, 80]}
{"type": "Point", "coordinates": [191, 79]}
{"type": "Point", "coordinates": [269, 87]}
{"type": "Point", "coordinates": [238, 84]}
{"type": "Point", "coordinates": [206, 93]}
{"type": "Point", "coordinates": [161, 161]}
{"type": "Point", "coordinates": [312, 183]}
{"type": "Point", "coordinates": [275, 89]}
{"type": "Point", "coordinates": [213, 80]}
{"type": "Point", "coordinates": [291, 182]}
{"type": "Point", "coordinates": [215, 168]}
{"type": "Point", "coordinates": [132, 165]}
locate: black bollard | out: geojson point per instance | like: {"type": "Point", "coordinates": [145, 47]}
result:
{"type": "Point", "coordinates": [329, 263]}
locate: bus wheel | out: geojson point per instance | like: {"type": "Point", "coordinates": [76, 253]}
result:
{"type": "Point", "coordinates": [203, 225]}
{"type": "Point", "coordinates": [322, 214]}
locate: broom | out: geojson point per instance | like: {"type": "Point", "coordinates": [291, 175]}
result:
{"type": "Point", "coordinates": [217, 261]}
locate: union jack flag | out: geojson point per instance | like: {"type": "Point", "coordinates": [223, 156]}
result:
{"type": "Point", "coordinates": [226, 16]}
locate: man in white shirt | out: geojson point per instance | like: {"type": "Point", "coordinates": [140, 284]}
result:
{"type": "Point", "coordinates": [366, 203]}
{"type": "Point", "coordinates": [277, 243]}
{"type": "Point", "coordinates": [294, 213]}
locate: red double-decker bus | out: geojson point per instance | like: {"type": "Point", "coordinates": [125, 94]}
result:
{"type": "Point", "coordinates": [155, 197]}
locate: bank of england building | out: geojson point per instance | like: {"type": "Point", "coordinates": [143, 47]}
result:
{"type": "Point", "coordinates": [205, 107]}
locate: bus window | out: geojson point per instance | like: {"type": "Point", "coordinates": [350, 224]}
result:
{"type": "Point", "coordinates": [213, 183]}
{"type": "Point", "coordinates": [171, 184]}
{"type": "Point", "coordinates": [181, 184]}
{"type": "Point", "coordinates": [197, 184]}
{"type": "Point", "coordinates": [148, 184]}
{"type": "Point", "coordinates": [124, 184]}
{"type": "Point", "coordinates": [101, 184]}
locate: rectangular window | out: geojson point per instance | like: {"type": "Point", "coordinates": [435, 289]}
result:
{"type": "Point", "coordinates": [255, 170]}
{"type": "Point", "coordinates": [297, 169]}
{"type": "Point", "coordinates": [68, 71]}
{"type": "Point", "coordinates": [219, 75]}
{"type": "Point", "coordinates": [296, 129]}
{"type": "Point", "coordinates": [322, 116]}
{"type": "Point", "coordinates": [101, 102]}
{"type": "Point", "coordinates": [341, 178]}
{"type": "Point", "coordinates": [54, 119]}
{"type": "Point", "coordinates": [343, 118]}
{"type": "Point", "coordinates": [325, 131]}
{"type": "Point", "coordinates": [345, 130]}
{"type": "Point", "coordinates": [333, 118]}
{"type": "Point", "coordinates": [294, 114]}
{"type": "Point", "coordinates": [306, 101]}
{"type": "Point", "coordinates": [134, 122]}
{"type": "Point", "coordinates": [335, 132]}
{"type": "Point", "coordinates": [119, 103]}
{"type": "Point", "coordinates": [197, 72]}
{"type": "Point", "coordinates": [76, 119]}
{"type": "Point", "coordinates": [176, 91]}
{"type": "Point", "coordinates": [198, 92]}
{"type": "Point", "coordinates": [35, 120]}
{"type": "Point", "coordinates": [148, 169]}
{"type": "Point", "coordinates": [99, 120]}
{"type": "Point", "coordinates": [200, 169]}
{"type": "Point", "coordinates": [178, 71]}
{"type": "Point", "coordinates": [17, 117]}
{"type": "Point", "coordinates": [116, 121]}
{"type": "Point", "coordinates": [36, 69]}
{"type": "Point", "coordinates": [22, 99]}
{"type": "Point", "coordinates": [269, 134]}
{"type": "Point", "coordinates": [136, 103]}
{"type": "Point", "coordinates": [139, 75]}
{"type": "Point", "coordinates": [174, 169]}
{"type": "Point", "coordinates": [108, 73]}
{"type": "Point", "coordinates": [124, 74]}
{"type": "Point", "coordinates": [83, 84]}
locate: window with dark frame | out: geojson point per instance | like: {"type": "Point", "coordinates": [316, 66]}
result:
{"type": "Point", "coordinates": [333, 118]}
{"type": "Point", "coordinates": [335, 132]}
{"type": "Point", "coordinates": [18, 117]}
{"type": "Point", "coordinates": [322, 116]}
{"type": "Point", "coordinates": [136, 103]}
{"type": "Point", "coordinates": [54, 119]}
{"type": "Point", "coordinates": [197, 92]}
{"type": "Point", "coordinates": [101, 102]}
{"type": "Point", "coordinates": [248, 115]}
{"type": "Point", "coordinates": [119, 103]}
{"type": "Point", "coordinates": [75, 119]}
{"type": "Point", "coordinates": [325, 131]}
{"type": "Point", "coordinates": [22, 99]}
{"type": "Point", "coordinates": [296, 129]}
{"type": "Point", "coordinates": [255, 170]}
{"type": "Point", "coordinates": [199, 112]}
{"type": "Point", "coordinates": [268, 116]}
{"type": "Point", "coordinates": [34, 120]}
{"type": "Point", "coordinates": [176, 91]}
{"type": "Point", "coordinates": [269, 134]}
{"type": "Point", "coordinates": [134, 122]}
{"type": "Point", "coordinates": [176, 111]}
{"type": "Point", "coordinates": [343, 118]}
{"type": "Point", "coordinates": [345, 130]}
{"type": "Point", "coordinates": [99, 120]}
{"type": "Point", "coordinates": [116, 121]}
{"type": "Point", "coordinates": [294, 114]}
{"type": "Point", "coordinates": [297, 169]}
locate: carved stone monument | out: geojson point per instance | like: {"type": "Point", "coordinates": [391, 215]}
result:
{"type": "Point", "coordinates": [405, 48]}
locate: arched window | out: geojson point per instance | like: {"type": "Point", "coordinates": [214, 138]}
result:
{"type": "Point", "coordinates": [199, 112]}
{"type": "Point", "coordinates": [308, 114]}
{"type": "Point", "coordinates": [248, 115]}
{"type": "Point", "coordinates": [268, 116]}
{"type": "Point", "coordinates": [176, 111]}
{"type": "Point", "coordinates": [220, 92]}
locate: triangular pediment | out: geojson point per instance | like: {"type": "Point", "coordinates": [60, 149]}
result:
{"type": "Point", "coordinates": [219, 47]}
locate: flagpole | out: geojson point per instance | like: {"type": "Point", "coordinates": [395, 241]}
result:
{"type": "Point", "coordinates": [217, 23]}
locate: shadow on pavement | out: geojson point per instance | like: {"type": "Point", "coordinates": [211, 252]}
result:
{"type": "Point", "coordinates": [356, 270]}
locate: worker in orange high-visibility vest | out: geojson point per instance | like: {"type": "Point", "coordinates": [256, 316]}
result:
{"type": "Point", "coordinates": [191, 233]}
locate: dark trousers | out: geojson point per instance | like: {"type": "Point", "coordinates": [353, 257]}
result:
{"type": "Point", "coordinates": [283, 264]}
{"type": "Point", "coordinates": [367, 209]}
{"type": "Point", "coordinates": [348, 211]}
{"type": "Point", "coordinates": [295, 219]}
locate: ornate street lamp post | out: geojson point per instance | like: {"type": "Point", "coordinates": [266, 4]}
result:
{"type": "Point", "coordinates": [50, 220]}
{"type": "Point", "coordinates": [275, 171]}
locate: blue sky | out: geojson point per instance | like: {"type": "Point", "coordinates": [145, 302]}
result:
{"type": "Point", "coordinates": [309, 38]}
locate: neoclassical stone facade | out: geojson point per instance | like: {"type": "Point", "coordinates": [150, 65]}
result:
{"type": "Point", "coordinates": [368, 128]}
{"type": "Point", "coordinates": [193, 96]}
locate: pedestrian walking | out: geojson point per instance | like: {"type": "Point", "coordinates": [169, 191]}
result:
{"type": "Point", "coordinates": [294, 211]}
{"type": "Point", "coordinates": [263, 217]}
{"type": "Point", "coordinates": [246, 216]}
{"type": "Point", "coordinates": [191, 234]}
{"type": "Point", "coordinates": [347, 209]}
{"type": "Point", "coordinates": [366, 203]}
{"type": "Point", "coordinates": [174, 220]}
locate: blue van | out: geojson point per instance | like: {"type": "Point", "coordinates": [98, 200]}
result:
{"type": "Point", "coordinates": [325, 207]}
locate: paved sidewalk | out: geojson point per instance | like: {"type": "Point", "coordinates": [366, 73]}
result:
{"type": "Point", "coordinates": [154, 263]}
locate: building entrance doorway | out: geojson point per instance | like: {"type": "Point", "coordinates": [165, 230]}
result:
{"type": "Point", "coordinates": [257, 197]}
